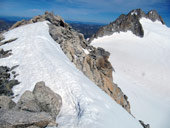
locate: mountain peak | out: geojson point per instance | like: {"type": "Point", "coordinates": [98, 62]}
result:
{"type": "Point", "coordinates": [153, 15]}
{"type": "Point", "coordinates": [138, 12]}
{"type": "Point", "coordinates": [131, 22]}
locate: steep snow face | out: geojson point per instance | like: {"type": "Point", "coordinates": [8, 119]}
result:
{"type": "Point", "coordinates": [40, 59]}
{"type": "Point", "coordinates": [142, 70]}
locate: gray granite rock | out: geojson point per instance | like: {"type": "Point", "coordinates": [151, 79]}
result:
{"type": "Point", "coordinates": [47, 100]}
{"type": "Point", "coordinates": [6, 103]}
{"type": "Point", "coordinates": [27, 102]}
{"type": "Point", "coordinates": [23, 119]}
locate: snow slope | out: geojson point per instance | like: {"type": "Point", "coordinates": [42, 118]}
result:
{"type": "Point", "coordinates": [40, 59]}
{"type": "Point", "coordinates": [142, 70]}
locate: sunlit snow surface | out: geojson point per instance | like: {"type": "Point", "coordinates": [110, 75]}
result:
{"type": "Point", "coordinates": [40, 59]}
{"type": "Point", "coordinates": [142, 70]}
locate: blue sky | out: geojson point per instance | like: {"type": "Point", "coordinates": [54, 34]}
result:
{"type": "Point", "coordinates": [100, 11]}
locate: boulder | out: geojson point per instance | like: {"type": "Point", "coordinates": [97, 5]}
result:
{"type": "Point", "coordinates": [27, 102]}
{"type": "Point", "coordinates": [6, 103]}
{"type": "Point", "coordinates": [24, 119]}
{"type": "Point", "coordinates": [47, 100]}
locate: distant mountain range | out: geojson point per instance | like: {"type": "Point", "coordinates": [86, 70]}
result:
{"type": "Point", "coordinates": [86, 28]}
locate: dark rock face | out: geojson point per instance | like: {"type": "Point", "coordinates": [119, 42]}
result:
{"type": "Point", "coordinates": [153, 15]}
{"type": "Point", "coordinates": [128, 22]}
{"type": "Point", "coordinates": [47, 100]}
{"type": "Point", "coordinates": [6, 83]}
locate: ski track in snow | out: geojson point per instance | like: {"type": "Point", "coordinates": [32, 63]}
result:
{"type": "Point", "coordinates": [40, 59]}
{"type": "Point", "coordinates": [142, 70]}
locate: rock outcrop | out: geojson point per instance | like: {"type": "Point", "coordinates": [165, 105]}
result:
{"type": "Point", "coordinates": [34, 110]}
{"type": "Point", "coordinates": [7, 75]}
{"type": "Point", "coordinates": [4, 53]}
{"type": "Point", "coordinates": [19, 23]}
{"type": "Point", "coordinates": [93, 62]}
{"type": "Point", "coordinates": [7, 80]}
{"type": "Point", "coordinates": [46, 99]}
{"type": "Point", "coordinates": [131, 22]}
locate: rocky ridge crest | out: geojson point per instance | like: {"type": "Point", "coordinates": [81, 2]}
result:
{"type": "Point", "coordinates": [131, 22]}
{"type": "Point", "coordinates": [93, 62]}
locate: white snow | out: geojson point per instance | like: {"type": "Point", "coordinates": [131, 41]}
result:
{"type": "Point", "coordinates": [40, 59]}
{"type": "Point", "coordinates": [142, 70]}
{"type": "Point", "coordinates": [86, 51]}
{"type": "Point", "coordinates": [134, 13]}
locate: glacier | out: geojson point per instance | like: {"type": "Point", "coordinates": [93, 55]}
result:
{"type": "Point", "coordinates": [142, 70]}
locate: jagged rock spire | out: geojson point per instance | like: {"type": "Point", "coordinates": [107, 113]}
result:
{"type": "Point", "coordinates": [131, 22]}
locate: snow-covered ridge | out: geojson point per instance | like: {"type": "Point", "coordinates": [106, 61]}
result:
{"type": "Point", "coordinates": [142, 70]}
{"type": "Point", "coordinates": [40, 58]}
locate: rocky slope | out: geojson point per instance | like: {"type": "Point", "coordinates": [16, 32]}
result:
{"type": "Point", "coordinates": [93, 62]}
{"type": "Point", "coordinates": [129, 22]}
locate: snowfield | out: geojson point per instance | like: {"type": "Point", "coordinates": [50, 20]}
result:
{"type": "Point", "coordinates": [40, 59]}
{"type": "Point", "coordinates": [142, 70]}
